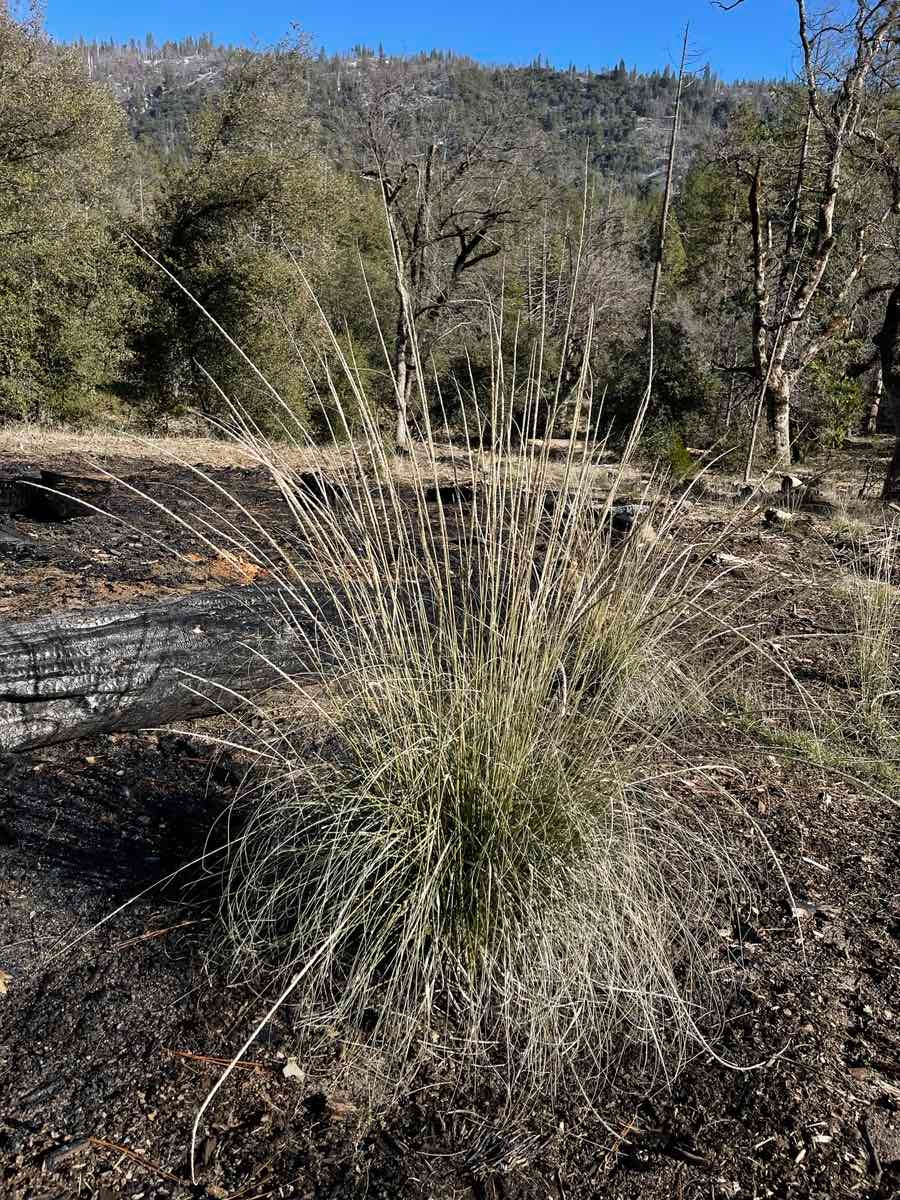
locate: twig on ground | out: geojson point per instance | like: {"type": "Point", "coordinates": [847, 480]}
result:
{"type": "Point", "coordinates": [619, 1140]}
{"type": "Point", "coordinates": [150, 934]}
{"type": "Point", "coordinates": [103, 1144]}
{"type": "Point", "coordinates": [216, 1061]}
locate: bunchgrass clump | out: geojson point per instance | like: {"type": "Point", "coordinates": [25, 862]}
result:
{"type": "Point", "coordinates": [488, 861]}
{"type": "Point", "coordinates": [488, 857]}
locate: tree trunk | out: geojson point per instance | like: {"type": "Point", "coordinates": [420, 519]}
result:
{"type": "Point", "coordinates": [667, 193]}
{"type": "Point", "coordinates": [778, 403]}
{"type": "Point", "coordinates": [871, 422]}
{"type": "Point", "coordinates": [888, 343]}
{"type": "Point", "coordinates": [403, 375]}
{"type": "Point", "coordinates": [123, 667]}
{"type": "Point", "coordinates": [732, 385]}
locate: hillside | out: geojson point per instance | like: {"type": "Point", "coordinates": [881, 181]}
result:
{"type": "Point", "coordinates": [621, 115]}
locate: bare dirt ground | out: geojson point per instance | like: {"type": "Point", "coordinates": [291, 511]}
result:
{"type": "Point", "coordinates": [109, 1044]}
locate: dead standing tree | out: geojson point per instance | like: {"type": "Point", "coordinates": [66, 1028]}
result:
{"type": "Point", "coordinates": [450, 202]}
{"type": "Point", "coordinates": [581, 271]}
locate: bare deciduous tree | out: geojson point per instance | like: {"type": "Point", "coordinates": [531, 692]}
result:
{"type": "Point", "coordinates": [581, 272]}
{"type": "Point", "coordinates": [451, 200]}
{"type": "Point", "coordinates": [810, 247]}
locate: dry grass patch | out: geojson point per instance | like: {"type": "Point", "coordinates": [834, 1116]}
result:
{"type": "Point", "coordinates": [873, 602]}
{"type": "Point", "coordinates": [27, 440]}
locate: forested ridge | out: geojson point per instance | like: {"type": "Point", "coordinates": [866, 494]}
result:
{"type": "Point", "coordinates": [531, 196]}
{"type": "Point", "coordinates": [617, 114]}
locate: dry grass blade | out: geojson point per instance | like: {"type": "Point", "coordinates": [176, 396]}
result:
{"type": "Point", "coordinates": [874, 602]}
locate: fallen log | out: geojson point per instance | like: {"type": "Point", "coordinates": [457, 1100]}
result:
{"type": "Point", "coordinates": [120, 667]}
{"type": "Point", "coordinates": [52, 495]}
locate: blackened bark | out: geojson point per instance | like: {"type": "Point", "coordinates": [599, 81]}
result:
{"type": "Point", "coordinates": [122, 667]}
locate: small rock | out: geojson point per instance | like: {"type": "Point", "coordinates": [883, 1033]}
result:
{"type": "Point", "coordinates": [779, 518]}
{"type": "Point", "coordinates": [59, 1154]}
{"type": "Point", "coordinates": [731, 561]}
{"type": "Point", "coordinates": [790, 483]}
{"type": "Point", "coordinates": [293, 1070]}
{"type": "Point", "coordinates": [623, 517]}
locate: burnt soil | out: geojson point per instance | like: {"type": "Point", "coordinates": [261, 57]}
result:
{"type": "Point", "coordinates": [106, 1034]}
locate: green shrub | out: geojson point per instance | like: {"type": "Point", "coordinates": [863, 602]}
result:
{"type": "Point", "coordinates": [684, 387]}
{"type": "Point", "coordinates": [667, 447]}
{"type": "Point", "coordinates": [837, 405]}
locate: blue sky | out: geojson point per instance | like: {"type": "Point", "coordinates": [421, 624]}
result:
{"type": "Point", "coordinates": [758, 39]}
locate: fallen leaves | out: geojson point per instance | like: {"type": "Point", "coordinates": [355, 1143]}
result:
{"type": "Point", "coordinates": [234, 570]}
{"type": "Point", "coordinates": [227, 568]}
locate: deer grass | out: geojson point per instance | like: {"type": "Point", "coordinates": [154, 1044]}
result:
{"type": "Point", "coordinates": [487, 859]}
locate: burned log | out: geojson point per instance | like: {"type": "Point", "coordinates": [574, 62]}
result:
{"type": "Point", "coordinates": [51, 495]}
{"type": "Point", "coordinates": [322, 491]}
{"type": "Point", "coordinates": [122, 667]}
